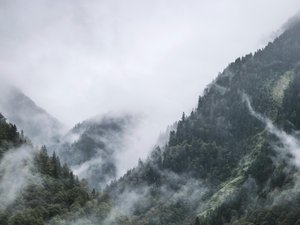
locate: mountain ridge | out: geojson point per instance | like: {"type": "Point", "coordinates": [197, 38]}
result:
{"type": "Point", "coordinates": [91, 147]}
{"type": "Point", "coordinates": [39, 125]}
{"type": "Point", "coordinates": [234, 160]}
{"type": "Point", "coordinates": [231, 146]}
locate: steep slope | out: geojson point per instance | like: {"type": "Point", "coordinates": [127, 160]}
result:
{"type": "Point", "coordinates": [35, 188]}
{"type": "Point", "coordinates": [234, 160]}
{"type": "Point", "coordinates": [237, 143]}
{"type": "Point", "coordinates": [9, 136]}
{"type": "Point", "coordinates": [90, 148]}
{"type": "Point", "coordinates": [38, 125]}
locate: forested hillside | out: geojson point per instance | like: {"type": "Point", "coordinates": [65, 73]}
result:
{"type": "Point", "coordinates": [236, 144]}
{"type": "Point", "coordinates": [39, 126]}
{"type": "Point", "coordinates": [36, 187]}
{"type": "Point", "coordinates": [9, 136]}
{"type": "Point", "coordinates": [91, 148]}
{"type": "Point", "coordinates": [233, 160]}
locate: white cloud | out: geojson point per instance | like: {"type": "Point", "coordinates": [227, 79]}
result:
{"type": "Point", "coordinates": [81, 58]}
{"type": "Point", "coordinates": [16, 173]}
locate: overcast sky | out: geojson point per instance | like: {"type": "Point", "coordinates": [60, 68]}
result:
{"type": "Point", "coordinates": [78, 58]}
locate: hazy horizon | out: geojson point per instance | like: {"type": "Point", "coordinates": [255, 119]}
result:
{"type": "Point", "coordinates": [148, 58]}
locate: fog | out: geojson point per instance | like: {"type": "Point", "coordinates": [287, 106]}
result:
{"type": "Point", "coordinates": [80, 58]}
{"type": "Point", "coordinates": [287, 149]}
{"type": "Point", "coordinates": [16, 173]}
{"type": "Point", "coordinates": [95, 148]}
{"type": "Point", "coordinates": [290, 143]}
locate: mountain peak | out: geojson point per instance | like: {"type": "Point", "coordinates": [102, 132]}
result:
{"type": "Point", "coordinates": [37, 124]}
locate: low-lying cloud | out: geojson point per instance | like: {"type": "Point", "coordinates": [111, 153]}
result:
{"type": "Point", "coordinates": [291, 144]}
{"type": "Point", "coordinates": [153, 57]}
{"type": "Point", "coordinates": [16, 173]}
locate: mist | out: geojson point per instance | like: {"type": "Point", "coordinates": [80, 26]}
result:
{"type": "Point", "coordinates": [290, 143]}
{"type": "Point", "coordinates": [102, 84]}
{"type": "Point", "coordinates": [78, 59]}
{"type": "Point", "coordinates": [129, 201]}
{"type": "Point", "coordinates": [96, 147]}
{"type": "Point", "coordinates": [16, 173]}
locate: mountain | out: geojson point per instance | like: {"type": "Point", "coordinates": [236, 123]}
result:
{"type": "Point", "coordinates": [35, 187]}
{"type": "Point", "coordinates": [233, 160]}
{"type": "Point", "coordinates": [38, 125]}
{"type": "Point", "coordinates": [9, 136]}
{"type": "Point", "coordinates": [91, 147]}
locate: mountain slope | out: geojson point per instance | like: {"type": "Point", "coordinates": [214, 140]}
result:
{"type": "Point", "coordinates": [9, 136]}
{"type": "Point", "coordinates": [35, 188]}
{"type": "Point", "coordinates": [234, 160]}
{"type": "Point", "coordinates": [91, 148]}
{"type": "Point", "coordinates": [40, 127]}
{"type": "Point", "coordinates": [237, 143]}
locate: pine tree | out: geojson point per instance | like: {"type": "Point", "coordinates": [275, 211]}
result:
{"type": "Point", "coordinates": [197, 222]}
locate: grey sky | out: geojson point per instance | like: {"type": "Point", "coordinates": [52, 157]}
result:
{"type": "Point", "coordinates": [80, 58]}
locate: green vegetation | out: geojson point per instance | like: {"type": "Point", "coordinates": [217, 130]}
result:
{"type": "Point", "coordinates": [226, 148]}
{"type": "Point", "coordinates": [58, 193]}
{"type": "Point", "coordinates": [221, 165]}
{"type": "Point", "coordinates": [9, 136]}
